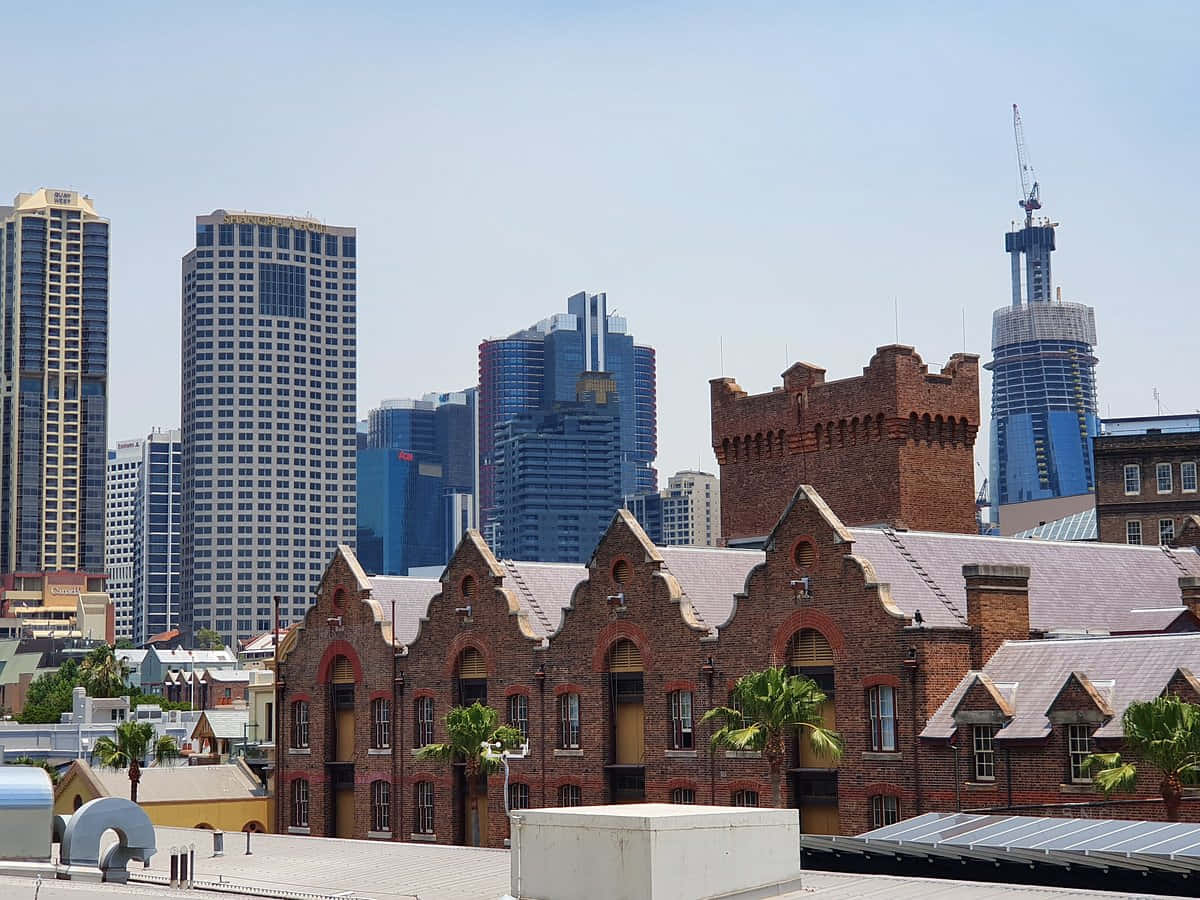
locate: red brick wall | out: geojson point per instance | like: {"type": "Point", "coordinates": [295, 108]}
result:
{"type": "Point", "coordinates": [1114, 508]}
{"type": "Point", "coordinates": [892, 445]}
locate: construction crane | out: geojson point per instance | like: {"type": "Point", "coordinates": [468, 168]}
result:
{"type": "Point", "coordinates": [1030, 192]}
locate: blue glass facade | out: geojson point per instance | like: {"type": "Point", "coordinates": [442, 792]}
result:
{"type": "Point", "coordinates": [540, 367]}
{"type": "Point", "coordinates": [157, 526]}
{"type": "Point", "coordinates": [558, 480]}
{"type": "Point", "coordinates": [401, 513]}
{"type": "Point", "coordinates": [1043, 385]}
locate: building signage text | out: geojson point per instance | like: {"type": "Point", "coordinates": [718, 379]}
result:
{"type": "Point", "coordinates": [280, 221]}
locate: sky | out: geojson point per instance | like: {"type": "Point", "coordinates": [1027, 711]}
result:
{"type": "Point", "coordinates": [752, 184]}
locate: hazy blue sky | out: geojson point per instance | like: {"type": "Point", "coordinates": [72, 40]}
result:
{"type": "Point", "coordinates": [772, 174]}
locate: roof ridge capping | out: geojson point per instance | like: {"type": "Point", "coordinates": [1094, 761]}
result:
{"type": "Point", "coordinates": [809, 493]}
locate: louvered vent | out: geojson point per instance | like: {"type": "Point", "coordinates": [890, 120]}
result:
{"type": "Point", "coordinates": [471, 665]}
{"type": "Point", "coordinates": [625, 657]}
{"type": "Point", "coordinates": [809, 648]}
{"type": "Point", "coordinates": [343, 672]}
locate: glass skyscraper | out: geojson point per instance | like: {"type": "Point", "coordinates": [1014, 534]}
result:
{"type": "Point", "coordinates": [269, 425]}
{"type": "Point", "coordinates": [54, 383]}
{"type": "Point", "coordinates": [539, 367]}
{"type": "Point", "coordinates": [123, 476]}
{"type": "Point", "coordinates": [158, 517]}
{"type": "Point", "coordinates": [1043, 383]}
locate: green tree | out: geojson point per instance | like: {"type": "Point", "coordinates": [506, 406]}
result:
{"type": "Point", "coordinates": [49, 695]}
{"type": "Point", "coordinates": [1165, 733]}
{"type": "Point", "coordinates": [103, 674]}
{"type": "Point", "coordinates": [131, 744]}
{"type": "Point", "coordinates": [767, 706]}
{"type": "Point", "coordinates": [207, 639]}
{"type": "Point", "coordinates": [124, 644]}
{"type": "Point", "coordinates": [471, 729]}
{"type": "Point", "coordinates": [36, 763]}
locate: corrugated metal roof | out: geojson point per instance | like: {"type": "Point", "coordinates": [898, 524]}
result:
{"type": "Point", "coordinates": [1115, 587]}
{"type": "Point", "coordinates": [226, 723]}
{"type": "Point", "coordinates": [710, 577]}
{"type": "Point", "coordinates": [1030, 674]}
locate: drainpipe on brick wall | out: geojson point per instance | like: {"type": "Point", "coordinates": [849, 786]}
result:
{"type": "Point", "coordinates": [278, 714]}
{"type": "Point", "coordinates": [957, 781]}
{"type": "Point", "coordinates": [1008, 765]}
{"type": "Point", "coordinates": [912, 664]}
{"type": "Point", "coordinates": [397, 779]}
{"type": "Point", "coordinates": [540, 677]}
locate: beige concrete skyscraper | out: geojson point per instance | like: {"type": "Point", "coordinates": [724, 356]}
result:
{"type": "Point", "coordinates": [269, 416]}
{"type": "Point", "coordinates": [54, 382]}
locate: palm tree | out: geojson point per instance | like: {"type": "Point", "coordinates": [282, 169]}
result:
{"type": "Point", "coordinates": [1165, 733]}
{"type": "Point", "coordinates": [102, 673]}
{"type": "Point", "coordinates": [37, 764]}
{"type": "Point", "coordinates": [471, 729]}
{"type": "Point", "coordinates": [767, 705]}
{"type": "Point", "coordinates": [134, 741]}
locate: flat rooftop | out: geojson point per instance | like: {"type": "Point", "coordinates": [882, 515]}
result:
{"type": "Point", "coordinates": [283, 866]}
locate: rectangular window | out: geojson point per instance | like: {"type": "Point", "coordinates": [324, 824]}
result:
{"type": "Point", "coordinates": [300, 724]}
{"type": "Point", "coordinates": [518, 714]}
{"type": "Point", "coordinates": [681, 720]}
{"type": "Point", "coordinates": [424, 808]}
{"type": "Point", "coordinates": [881, 703]}
{"type": "Point", "coordinates": [1187, 477]}
{"type": "Point", "coordinates": [1133, 531]}
{"type": "Point", "coordinates": [745, 798]}
{"type": "Point", "coordinates": [568, 707]}
{"type": "Point", "coordinates": [300, 803]}
{"type": "Point", "coordinates": [1166, 531]}
{"type": "Point", "coordinates": [518, 796]}
{"type": "Point", "coordinates": [885, 810]}
{"type": "Point", "coordinates": [683, 795]}
{"type": "Point", "coordinates": [381, 806]}
{"type": "Point", "coordinates": [985, 753]}
{"type": "Point", "coordinates": [1079, 746]}
{"type": "Point", "coordinates": [381, 727]}
{"type": "Point", "coordinates": [281, 290]}
{"type": "Point", "coordinates": [570, 794]}
{"type": "Point", "coordinates": [1163, 473]}
{"type": "Point", "coordinates": [424, 721]}
{"type": "Point", "coordinates": [1133, 480]}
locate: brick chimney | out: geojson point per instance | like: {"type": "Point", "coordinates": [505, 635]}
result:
{"type": "Point", "coordinates": [1189, 589]}
{"type": "Point", "coordinates": [997, 607]}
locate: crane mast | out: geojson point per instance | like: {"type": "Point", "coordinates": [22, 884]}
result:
{"type": "Point", "coordinates": [1030, 192]}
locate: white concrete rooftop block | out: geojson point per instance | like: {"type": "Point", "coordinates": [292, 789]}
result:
{"type": "Point", "coordinates": [652, 851]}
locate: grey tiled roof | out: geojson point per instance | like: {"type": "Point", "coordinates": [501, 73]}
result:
{"type": "Point", "coordinates": [411, 596]}
{"type": "Point", "coordinates": [710, 577]}
{"type": "Point", "coordinates": [1030, 675]}
{"type": "Point", "coordinates": [544, 590]}
{"type": "Point", "coordinates": [1072, 585]}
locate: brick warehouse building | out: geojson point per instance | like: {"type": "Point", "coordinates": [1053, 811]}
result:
{"type": "Point", "coordinates": [608, 667]}
{"type": "Point", "coordinates": [1146, 485]}
{"type": "Point", "coordinates": [894, 445]}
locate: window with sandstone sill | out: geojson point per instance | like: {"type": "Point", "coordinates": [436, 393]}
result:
{"type": "Point", "coordinates": [381, 727]}
{"type": "Point", "coordinates": [300, 803]}
{"type": "Point", "coordinates": [881, 707]}
{"type": "Point", "coordinates": [1079, 748]}
{"type": "Point", "coordinates": [885, 810]}
{"type": "Point", "coordinates": [423, 808]}
{"type": "Point", "coordinates": [381, 806]}
{"type": "Point", "coordinates": [984, 752]}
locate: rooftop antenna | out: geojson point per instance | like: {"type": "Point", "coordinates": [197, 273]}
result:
{"type": "Point", "coordinates": [1158, 400]}
{"type": "Point", "coordinates": [722, 356]}
{"type": "Point", "coordinates": [896, 313]}
{"type": "Point", "coordinates": [964, 328]}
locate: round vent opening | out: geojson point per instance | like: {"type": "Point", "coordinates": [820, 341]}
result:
{"type": "Point", "coordinates": [804, 554]}
{"type": "Point", "coordinates": [621, 571]}
{"type": "Point", "coordinates": [468, 586]}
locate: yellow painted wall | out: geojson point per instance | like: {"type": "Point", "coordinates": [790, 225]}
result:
{"type": "Point", "coordinates": [225, 815]}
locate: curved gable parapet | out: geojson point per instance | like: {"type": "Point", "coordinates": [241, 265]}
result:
{"type": "Point", "coordinates": [687, 612]}
{"type": "Point", "coordinates": [882, 589]}
{"type": "Point", "coordinates": [741, 595]}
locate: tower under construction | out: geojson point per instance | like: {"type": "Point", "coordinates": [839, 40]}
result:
{"type": "Point", "coordinates": [1043, 370]}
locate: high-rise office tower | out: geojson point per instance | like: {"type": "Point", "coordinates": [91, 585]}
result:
{"type": "Point", "coordinates": [686, 514]}
{"type": "Point", "coordinates": [416, 482]}
{"type": "Point", "coordinates": [1043, 384]}
{"type": "Point", "coordinates": [54, 385]}
{"type": "Point", "coordinates": [558, 475]}
{"type": "Point", "coordinates": [158, 518]}
{"type": "Point", "coordinates": [121, 491]}
{"type": "Point", "coordinates": [540, 366]}
{"type": "Point", "coordinates": [269, 427]}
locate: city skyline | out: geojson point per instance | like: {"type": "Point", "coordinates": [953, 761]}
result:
{"type": "Point", "coordinates": [704, 203]}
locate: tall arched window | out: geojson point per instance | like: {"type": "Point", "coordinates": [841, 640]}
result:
{"type": "Point", "coordinates": [381, 724]}
{"type": "Point", "coordinates": [472, 677]}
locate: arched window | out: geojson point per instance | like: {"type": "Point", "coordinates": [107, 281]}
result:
{"type": "Point", "coordinates": [683, 795]}
{"type": "Point", "coordinates": [381, 806]}
{"type": "Point", "coordinates": [885, 810]}
{"type": "Point", "coordinates": [300, 724]}
{"type": "Point", "coordinates": [809, 654]}
{"type": "Point", "coordinates": [300, 803]}
{"type": "Point", "coordinates": [569, 722]}
{"type": "Point", "coordinates": [745, 798]}
{"type": "Point", "coordinates": [472, 677]}
{"type": "Point", "coordinates": [381, 724]}
{"type": "Point", "coordinates": [342, 671]}
{"type": "Point", "coordinates": [570, 795]}
{"type": "Point", "coordinates": [518, 713]}
{"type": "Point", "coordinates": [423, 721]}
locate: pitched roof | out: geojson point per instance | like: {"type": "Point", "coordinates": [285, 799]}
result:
{"type": "Point", "coordinates": [225, 724]}
{"type": "Point", "coordinates": [411, 596]}
{"type": "Point", "coordinates": [710, 577]}
{"type": "Point", "coordinates": [1072, 585]}
{"type": "Point", "coordinates": [261, 643]}
{"type": "Point", "coordinates": [191, 658]}
{"type": "Point", "coordinates": [543, 590]}
{"type": "Point", "coordinates": [175, 783]}
{"type": "Point", "coordinates": [1031, 674]}
{"type": "Point", "coordinates": [1080, 526]}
